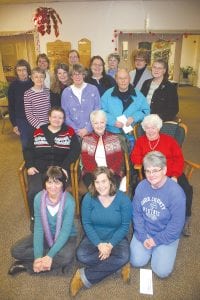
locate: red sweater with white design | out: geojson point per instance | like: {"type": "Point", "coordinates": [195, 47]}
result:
{"type": "Point", "coordinates": [52, 149]}
{"type": "Point", "coordinates": [167, 145]}
{"type": "Point", "coordinates": [113, 152]}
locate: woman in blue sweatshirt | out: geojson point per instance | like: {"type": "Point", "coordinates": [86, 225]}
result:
{"type": "Point", "coordinates": [106, 216]}
{"type": "Point", "coordinates": [52, 246]}
{"type": "Point", "coordinates": [158, 217]}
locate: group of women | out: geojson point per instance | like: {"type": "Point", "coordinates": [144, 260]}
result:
{"type": "Point", "coordinates": [66, 122]}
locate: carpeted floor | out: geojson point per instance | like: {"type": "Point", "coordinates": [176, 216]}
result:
{"type": "Point", "coordinates": [184, 284]}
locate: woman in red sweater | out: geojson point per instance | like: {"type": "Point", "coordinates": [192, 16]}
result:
{"type": "Point", "coordinates": [154, 140]}
{"type": "Point", "coordinates": [103, 149]}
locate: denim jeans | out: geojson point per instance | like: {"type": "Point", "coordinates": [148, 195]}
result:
{"type": "Point", "coordinates": [162, 256]}
{"type": "Point", "coordinates": [96, 269]}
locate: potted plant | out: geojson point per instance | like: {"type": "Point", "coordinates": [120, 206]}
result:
{"type": "Point", "coordinates": [186, 71]}
{"type": "Point", "coordinates": [3, 89]}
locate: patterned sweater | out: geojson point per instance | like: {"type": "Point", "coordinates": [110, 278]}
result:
{"type": "Point", "coordinates": [113, 152]}
{"type": "Point", "coordinates": [52, 149]}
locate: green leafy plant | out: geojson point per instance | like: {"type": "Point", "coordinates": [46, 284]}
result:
{"type": "Point", "coordinates": [187, 71]}
{"type": "Point", "coordinates": [3, 89]}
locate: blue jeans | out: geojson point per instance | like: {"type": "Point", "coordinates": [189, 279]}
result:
{"type": "Point", "coordinates": [96, 269]}
{"type": "Point", "coordinates": [162, 256]}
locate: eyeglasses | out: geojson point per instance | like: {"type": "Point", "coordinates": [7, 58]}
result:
{"type": "Point", "coordinates": [139, 59]}
{"type": "Point", "coordinates": [77, 74]}
{"type": "Point", "coordinates": [97, 65]}
{"type": "Point", "coordinates": [152, 172]}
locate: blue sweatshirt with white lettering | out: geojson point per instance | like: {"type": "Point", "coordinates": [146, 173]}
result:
{"type": "Point", "coordinates": [158, 213]}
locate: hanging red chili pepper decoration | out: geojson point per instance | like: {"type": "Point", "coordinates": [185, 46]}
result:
{"type": "Point", "coordinates": [42, 20]}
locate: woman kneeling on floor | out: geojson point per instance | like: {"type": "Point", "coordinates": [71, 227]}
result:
{"type": "Point", "coordinates": [106, 216]}
{"type": "Point", "coordinates": [52, 245]}
{"type": "Point", "coordinates": [158, 217]}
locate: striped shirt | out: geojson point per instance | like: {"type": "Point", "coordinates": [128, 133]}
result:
{"type": "Point", "coordinates": [37, 105]}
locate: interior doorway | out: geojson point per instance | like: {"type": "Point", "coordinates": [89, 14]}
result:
{"type": "Point", "coordinates": [14, 47]}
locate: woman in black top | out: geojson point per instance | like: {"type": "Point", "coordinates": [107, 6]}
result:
{"type": "Point", "coordinates": [53, 144]}
{"type": "Point", "coordinates": [161, 94]}
{"type": "Point", "coordinates": [97, 75]}
{"type": "Point", "coordinates": [60, 81]}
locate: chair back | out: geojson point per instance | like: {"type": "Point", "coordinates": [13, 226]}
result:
{"type": "Point", "coordinates": [176, 130]}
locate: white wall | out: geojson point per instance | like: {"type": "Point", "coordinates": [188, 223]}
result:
{"type": "Point", "coordinates": [98, 20]}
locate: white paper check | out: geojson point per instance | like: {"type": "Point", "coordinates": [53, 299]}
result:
{"type": "Point", "coordinates": [146, 282]}
{"type": "Point", "coordinates": [123, 119]}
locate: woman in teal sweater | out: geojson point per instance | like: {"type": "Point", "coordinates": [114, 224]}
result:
{"type": "Point", "coordinates": [52, 246]}
{"type": "Point", "coordinates": [106, 216]}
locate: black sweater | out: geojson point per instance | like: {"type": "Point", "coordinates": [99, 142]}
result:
{"type": "Point", "coordinates": [52, 149]}
{"type": "Point", "coordinates": [16, 92]}
{"type": "Point", "coordinates": [164, 101]}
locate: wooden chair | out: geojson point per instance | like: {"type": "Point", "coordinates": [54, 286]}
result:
{"type": "Point", "coordinates": [179, 132]}
{"type": "Point", "coordinates": [76, 179]}
{"type": "Point", "coordinates": [22, 173]}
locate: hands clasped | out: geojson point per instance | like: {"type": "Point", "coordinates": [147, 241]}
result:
{"type": "Point", "coordinates": [42, 264]}
{"type": "Point", "coordinates": [104, 250]}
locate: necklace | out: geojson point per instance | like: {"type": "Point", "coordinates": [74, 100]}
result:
{"type": "Point", "coordinates": [152, 147]}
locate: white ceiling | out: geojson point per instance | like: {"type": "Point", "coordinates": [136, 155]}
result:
{"type": "Point", "coordinates": [49, 1]}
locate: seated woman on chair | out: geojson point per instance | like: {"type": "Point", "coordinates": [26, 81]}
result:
{"type": "Point", "coordinates": [106, 215]}
{"type": "Point", "coordinates": [54, 144]}
{"type": "Point", "coordinates": [158, 217]}
{"type": "Point", "coordinates": [167, 145]}
{"type": "Point", "coordinates": [52, 246]}
{"type": "Point", "coordinates": [101, 148]}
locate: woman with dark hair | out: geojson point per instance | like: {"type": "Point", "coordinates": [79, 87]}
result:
{"type": "Point", "coordinates": [16, 108]}
{"type": "Point", "coordinates": [97, 75]}
{"type": "Point", "coordinates": [60, 81]}
{"type": "Point", "coordinates": [161, 94]}
{"type": "Point", "coordinates": [106, 215]}
{"type": "Point", "coordinates": [51, 247]}
{"type": "Point", "coordinates": [53, 144]}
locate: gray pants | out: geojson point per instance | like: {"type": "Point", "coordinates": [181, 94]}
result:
{"type": "Point", "coordinates": [62, 261]}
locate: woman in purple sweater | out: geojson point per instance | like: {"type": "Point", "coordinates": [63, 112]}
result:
{"type": "Point", "coordinates": [158, 217]}
{"type": "Point", "coordinates": [78, 101]}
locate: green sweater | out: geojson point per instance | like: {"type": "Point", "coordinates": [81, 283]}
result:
{"type": "Point", "coordinates": [67, 229]}
{"type": "Point", "coordinates": [109, 224]}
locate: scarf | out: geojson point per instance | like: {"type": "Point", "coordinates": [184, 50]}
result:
{"type": "Point", "coordinates": [43, 209]}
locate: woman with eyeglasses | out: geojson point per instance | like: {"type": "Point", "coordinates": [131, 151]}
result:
{"type": "Point", "coordinates": [97, 75]}
{"type": "Point", "coordinates": [51, 248]}
{"type": "Point", "coordinates": [161, 94]}
{"type": "Point", "coordinates": [141, 72]}
{"type": "Point", "coordinates": [78, 101]}
{"type": "Point", "coordinates": [158, 217]}
{"type": "Point", "coordinates": [168, 146]}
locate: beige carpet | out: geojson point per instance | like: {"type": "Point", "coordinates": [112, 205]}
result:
{"type": "Point", "coordinates": [184, 284]}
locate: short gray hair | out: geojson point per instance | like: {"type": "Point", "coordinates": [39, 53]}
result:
{"type": "Point", "coordinates": [95, 114]}
{"type": "Point", "coordinates": [154, 159]}
{"type": "Point", "coordinates": [152, 120]}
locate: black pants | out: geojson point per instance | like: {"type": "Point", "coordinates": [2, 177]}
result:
{"type": "Point", "coordinates": [188, 190]}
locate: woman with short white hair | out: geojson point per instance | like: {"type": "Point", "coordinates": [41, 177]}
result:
{"type": "Point", "coordinates": [101, 148]}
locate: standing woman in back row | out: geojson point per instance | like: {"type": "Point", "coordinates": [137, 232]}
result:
{"type": "Point", "coordinates": [161, 94]}
{"type": "Point", "coordinates": [97, 75]}
{"type": "Point", "coordinates": [60, 81]}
